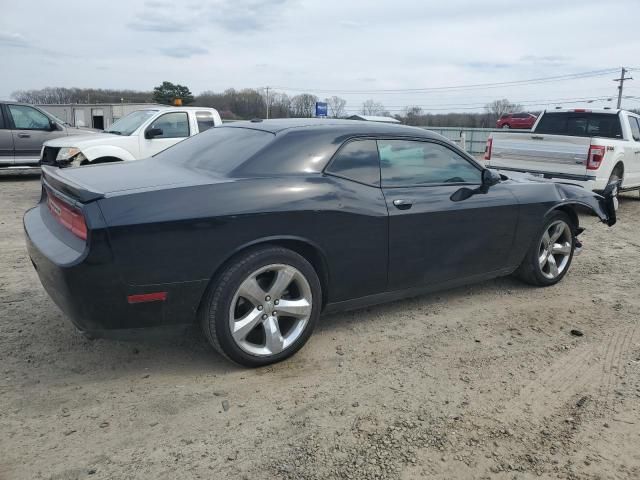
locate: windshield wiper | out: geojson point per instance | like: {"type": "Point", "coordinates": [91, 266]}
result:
{"type": "Point", "coordinates": [115, 132]}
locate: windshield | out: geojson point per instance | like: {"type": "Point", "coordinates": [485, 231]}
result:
{"type": "Point", "coordinates": [130, 123]}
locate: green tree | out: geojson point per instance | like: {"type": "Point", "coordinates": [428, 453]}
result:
{"type": "Point", "coordinates": [168, 92]}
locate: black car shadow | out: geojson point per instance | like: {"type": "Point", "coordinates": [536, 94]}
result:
{"type": "Point", "coordinates": [185, 351]}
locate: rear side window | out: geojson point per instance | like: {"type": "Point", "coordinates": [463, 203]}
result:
{"type": "Point", "coordinates": [205, 121]}
{"type": "Point", "coordinates": [635, 128]}
{"type": "Point", "coordinates": [218, 150]}
{"type": "Point", "coordinates": [413, 163]}
{"type": "Point", "coordinates": [357, 160]}
{"type": "Point", "coordinates": [579, 124]}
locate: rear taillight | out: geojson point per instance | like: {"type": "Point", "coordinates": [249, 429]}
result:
{"type": "Point", "coordinates": [487, 149]}
{"type": "Point", "coordinates": [595, 156]}
{"type": "Point", "coordinates": [69, 217]}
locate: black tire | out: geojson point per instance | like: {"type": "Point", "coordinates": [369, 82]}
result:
{"type": "Point", "coordinates": [616, 175]}
{"type": "Point", "coordinates": [214, 314]}
{"type": "Point", "coordinates": [529, 270]}
{"type": "Point", "coordinates": [101, 160]}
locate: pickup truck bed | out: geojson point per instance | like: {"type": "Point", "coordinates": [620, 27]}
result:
{"type": "Point", "coordinates": [590, 148]}
{"type": "Point", "coordinates": [565, 157]}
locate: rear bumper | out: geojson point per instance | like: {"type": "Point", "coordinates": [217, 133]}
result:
{"type": "Point", "coordinates": [88, 289]}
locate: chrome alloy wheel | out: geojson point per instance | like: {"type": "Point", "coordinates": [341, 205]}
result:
{"type": "Point", "coordinates": [270, 310]}
{"type": "Point", "coordinates": [554, 251]}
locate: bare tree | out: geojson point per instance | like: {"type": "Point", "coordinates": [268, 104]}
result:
{"type": "Point", "coordinates": [336, 106]}
{"type": "Point", "coordinates": [371, 107]}
{"type": "Point", "coordinates": [498, 108]}
{"type": "Point", "coordinates": [56, 95]}
{"type": "Point", "coordinates": [413, 116]}
{"type": "Point", "coordinates": [303, 105]}
{"type": "Point", "coordinates": [280, 105]}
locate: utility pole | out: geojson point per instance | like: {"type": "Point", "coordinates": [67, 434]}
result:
{"type": "Point", "coordinates": [267, 90]}
{"type": "Point", "coordinates": [621, 80]}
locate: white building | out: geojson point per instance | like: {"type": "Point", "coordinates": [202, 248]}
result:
{"type": "Point", "coordinates": [94, 115]}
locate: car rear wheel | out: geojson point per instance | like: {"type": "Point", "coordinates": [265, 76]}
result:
{"type": "Point", "coordinates": [263, 307]}
{"type": "Point", "coordinates": [550, 255]}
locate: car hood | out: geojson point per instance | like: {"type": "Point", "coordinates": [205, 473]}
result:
{"type": "Point", "coordinates": [81, 139]}
{"type": "Point", "coordinates": [80, 130]}
{"type": "Point", "coordinates": [110, 179]}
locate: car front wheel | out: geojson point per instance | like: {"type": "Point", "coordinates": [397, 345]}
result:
{"type": "Point", "coordinates": [551, 253]}
{"type": "Point", "coordinates": [263, 307]}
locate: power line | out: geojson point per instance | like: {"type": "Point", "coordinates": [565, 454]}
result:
{"type": "Point", "coordinates": [520, 102]}
{"type": "Point", "coordinates": [532, 81]}
{"type": "Point", "coordinates": [449, 108]}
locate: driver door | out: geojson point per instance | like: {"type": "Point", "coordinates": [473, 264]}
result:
{"type": "Point", "coordinates": [30, 129]}
{"type": "Point", "coordinates": [432, 238]}
{"type": "Point", "coordinates": [174, 126]}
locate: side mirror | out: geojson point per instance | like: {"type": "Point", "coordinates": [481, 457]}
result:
{"type": "Point", "coordinates": [490, 177]}
{"type": "Point", "coordinates": [53, 126]}
{"type": "Point", "coordinates": [462, 194]}
{"type": "Point", "coordinates": [152, 133]}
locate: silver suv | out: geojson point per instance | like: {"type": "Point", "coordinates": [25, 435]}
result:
{"type": "Point", "coordinates": [23, 130]}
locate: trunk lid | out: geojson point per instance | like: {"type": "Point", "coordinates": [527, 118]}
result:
{"type": "Point", "coordinates": [540, 153]}
{"type": "Point", "coordinates": [93, 182]}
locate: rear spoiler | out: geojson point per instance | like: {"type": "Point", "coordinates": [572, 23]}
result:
{"type": "Point", "coordinates": [55, 179]}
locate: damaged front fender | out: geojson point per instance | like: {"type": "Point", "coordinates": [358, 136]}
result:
{"type": "Point", "coordinates": [604, 206]}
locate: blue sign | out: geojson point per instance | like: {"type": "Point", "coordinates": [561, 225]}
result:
{"type": "Point", "coordinates": [321, 109]}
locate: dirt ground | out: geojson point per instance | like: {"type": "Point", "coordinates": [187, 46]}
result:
{"type": "Point", "coordinates": [484, 381]}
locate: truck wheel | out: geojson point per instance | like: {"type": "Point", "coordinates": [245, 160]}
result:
{"type": "Point", "coordinates": [616, 175]}
{"type": "Point", "coordinates": [550, 254]}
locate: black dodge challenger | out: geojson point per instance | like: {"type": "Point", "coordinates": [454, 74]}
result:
{"type": "Point", "coordinates": [255, 228]}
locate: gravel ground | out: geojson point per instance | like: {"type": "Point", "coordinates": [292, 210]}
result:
{"type": "Point", "coordinates": [485, 381]}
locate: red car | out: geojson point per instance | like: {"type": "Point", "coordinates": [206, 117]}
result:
{"type": "Point", "coordinates": [516, 120]}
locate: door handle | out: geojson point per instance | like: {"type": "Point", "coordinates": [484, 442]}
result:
{"type": "Point", "coordinates": [402, 204]}
{"type": "Point", "coordinates": [24, 135]}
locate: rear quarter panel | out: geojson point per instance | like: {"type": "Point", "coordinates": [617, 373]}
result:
{"type": "Point", "coordinates": [186, 234]}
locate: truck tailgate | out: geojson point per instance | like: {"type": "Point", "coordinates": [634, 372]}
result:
{"type": "Point", "coordinates": [540, 153]}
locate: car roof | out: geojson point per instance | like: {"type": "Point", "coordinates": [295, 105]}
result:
{"type": "Point", "coordinates": [354, 127]}
{"type": "Point", "coordinates": [583, 110]}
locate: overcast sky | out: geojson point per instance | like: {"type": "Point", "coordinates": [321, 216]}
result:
{"type": "Point", "coordinates": [337, 45]}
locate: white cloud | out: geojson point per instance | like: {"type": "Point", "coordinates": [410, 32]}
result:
{"type": "Point", "coordinates": [333, 45]}
{"type": "Point", "coordinates": [12, 40]}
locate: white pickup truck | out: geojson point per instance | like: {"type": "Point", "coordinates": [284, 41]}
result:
{"type": "Point", "coordinates": [140, 134]}
{"type": "Point", "coordinates": [589, 147]}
